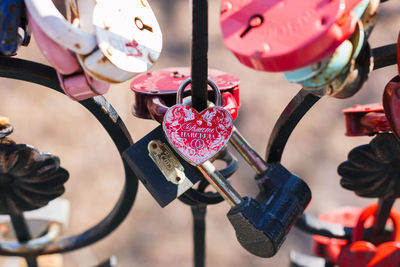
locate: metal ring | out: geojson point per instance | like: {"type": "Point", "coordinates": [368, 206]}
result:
{"type": "Point", "coordinates": [211, 83]}
{"type": "Point", "coordinates": [103, 111]}
{"type": "Point", "coordinates": [6, 131]}
{"type": "Point", "coordinates": [34, 244]}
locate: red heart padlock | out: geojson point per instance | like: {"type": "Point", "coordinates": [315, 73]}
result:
{"type": "Point", "coordinates": [197, 137]}
{"type": "Point", "coordinates": [365, 254]}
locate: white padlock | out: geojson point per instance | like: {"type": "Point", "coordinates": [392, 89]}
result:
{"type": "Point", "coordinates": [53, 23]}
{"type": "Point", "coordinates": [131, 37]}
{"type": "Point", "coordinates": [117, 55]}
{"type": "Point", "coordinates": [51, 219]}
{"type": "Point", "coordinates": [57, 211]}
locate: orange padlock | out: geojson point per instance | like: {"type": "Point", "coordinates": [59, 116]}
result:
{"type": "Point", "coordinates": [362, 253]}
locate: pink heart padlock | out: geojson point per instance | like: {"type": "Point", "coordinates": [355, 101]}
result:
{"type": "Point", "coordinates": [197, 137]}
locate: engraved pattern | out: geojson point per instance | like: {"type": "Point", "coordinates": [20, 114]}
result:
{"type": "Point", "coordinates": [197, 137]}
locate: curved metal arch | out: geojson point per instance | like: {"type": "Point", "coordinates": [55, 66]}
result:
{"type": "Point", "coordinates": [103, 111]}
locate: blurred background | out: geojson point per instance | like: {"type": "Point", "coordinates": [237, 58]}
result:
{"type": "Point", "coordinates": [150, 235]}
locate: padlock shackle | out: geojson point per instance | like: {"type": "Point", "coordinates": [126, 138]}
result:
{"type": "Point", "coordinates": [370, 211]}
{"type": "Point", "coordinates": [211, 83]}
{"type": "Point", "coordinates": [75, 82]}
{"type": "Point", "coordinates": [5, 129]}
{"type": "Point", "coordinates": [33, 245]}
{"type": "Point", "coordinates": [59, 29]}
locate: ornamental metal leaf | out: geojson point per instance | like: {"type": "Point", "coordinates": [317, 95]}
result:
{"type": "Point", "coordinates": [29, 179]}
{"type": "Point", "coordinates": [373, 170]}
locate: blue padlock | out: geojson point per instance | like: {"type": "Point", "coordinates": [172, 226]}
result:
{"type": "Point", "coordinates": [10, 20]}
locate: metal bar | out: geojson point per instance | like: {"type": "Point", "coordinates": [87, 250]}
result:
{"type": "Point", "coordinates": [53, 232]}
{"type": "Point", "coordinates": [111, 262]}
{"type": "Point", "coordinates": [220, 184]}
{"type": "Point", "coordinates": [199, 67]}
{"type": "Point", "coordinates": [382, 215]}
{"type": "Point", "coordinates": [290, 117]}
{"type": "Point", "coordinates": [247, 152]}
{"type": "Point", "coordinates": [384, 56]}
{"type": "Point", "coordinates": [23, 234]}
{"type": "Point", "coordinates": [199, 234]}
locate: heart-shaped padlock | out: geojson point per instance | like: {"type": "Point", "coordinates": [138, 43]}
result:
{"type": "Point", "coordinates": [197, 137]}
{"type": "Point", "coordinates": [363, 253]}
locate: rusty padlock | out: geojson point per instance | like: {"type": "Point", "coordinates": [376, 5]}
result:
{"type": "Point", "coordinates": [362, 253]}
{"type": "Point", "coordinates": [156, 91]}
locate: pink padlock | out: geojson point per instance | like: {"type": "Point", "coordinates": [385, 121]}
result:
{"type": "Point", "coordinates": [73, 80]}
{"type": "Point", "coordinates": [283, 35]}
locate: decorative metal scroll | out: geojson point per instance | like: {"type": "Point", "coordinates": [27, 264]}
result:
{"type": "Point", "coordinates": [103, 111]}
{"type": "Point", "coordinates": [29, 179]}
{"type": "Point", "coordinates": [370, 168]}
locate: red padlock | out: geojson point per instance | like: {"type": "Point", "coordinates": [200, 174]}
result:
{"type": "Point", "coordinates": [156, 91]}
{"type": "Point", "coordinates": [391, 98]}
{"type": "Point", "coordinates": [391, 104]}
{"type": "Point", "coordinates": [330, 248]}
{"type": "Point", "coordinates": [364, 120]}
{"type": "Point", "coordinates": [366, 254]}
{"type": "Point", "coordinates": [283, 35]}
{"type": "Point", "coordinates": [398, 53]}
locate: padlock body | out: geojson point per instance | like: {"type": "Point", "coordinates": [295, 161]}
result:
{"type": "Point", "coordinates": [288, 34]}
{"type": "Point", "coordinates": [261, 226]}
{"type": "Point", "coordinates": [153, 178]}
{"type": "Point", "coordinates": [365, 120]}
{"type": "Point", "coordinates": [391, 104]}
{"type": "Point", "coordinates": [10, 19]}
{"type": "Point", "coordinates": [361, 252]}
{"type": "Point", "coordinates": [330, 248]}
{"type": "Point", "coordinates": [165, 84]}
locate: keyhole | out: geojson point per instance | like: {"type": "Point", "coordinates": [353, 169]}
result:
{"type": "Point", "coordinates": [141, 26]}
{"type": "Point", "coordinates": [254, 22]}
